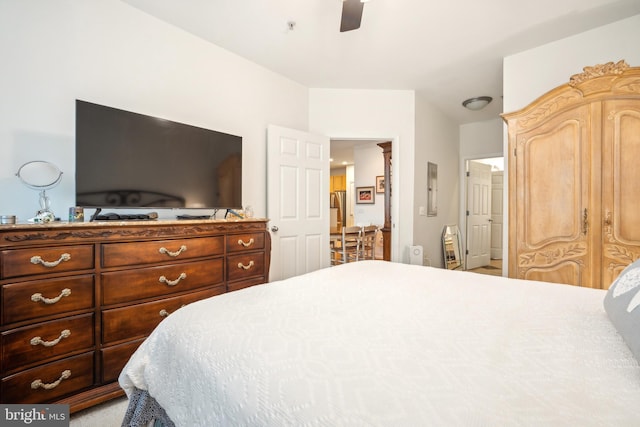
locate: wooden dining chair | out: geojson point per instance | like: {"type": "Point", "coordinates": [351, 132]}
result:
{"type": "Point", "coordinates": [349, 247]}
{"type": "Point", "coordinates": [368, 241]}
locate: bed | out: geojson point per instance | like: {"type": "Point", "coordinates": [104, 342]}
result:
{"type": "Point", "coordinates": [375, 343]}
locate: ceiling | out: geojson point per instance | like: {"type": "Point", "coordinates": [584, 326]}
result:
{"type": "Point", "coordinates": [448, 51]}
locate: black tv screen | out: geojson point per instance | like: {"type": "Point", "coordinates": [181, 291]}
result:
{"type": "Point", "coordinates": [126, 159]}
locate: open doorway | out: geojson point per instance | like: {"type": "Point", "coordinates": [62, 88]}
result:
{"type": "Point", "coordinates": [484, 223]}
{"type": "Point", "coordinates": [357, 165]}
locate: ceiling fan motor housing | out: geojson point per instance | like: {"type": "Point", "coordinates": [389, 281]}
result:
{"type": "Point", "coordinates": [351, 15]}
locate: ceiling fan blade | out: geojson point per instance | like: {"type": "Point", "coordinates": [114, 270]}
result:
{"type": "Point", "coordinates": [351, 15]}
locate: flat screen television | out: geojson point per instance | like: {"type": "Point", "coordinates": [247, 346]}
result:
{"type": "Point", "coordinates": [131, 160]}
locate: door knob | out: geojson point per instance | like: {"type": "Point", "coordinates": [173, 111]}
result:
{"type": "Point", "coordinates": [274, 228]}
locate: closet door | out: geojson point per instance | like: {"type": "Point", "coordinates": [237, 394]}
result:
{"type": "Point", "coordinates": [621, 188]}
{"type": "Point", "coordinates": [552, 200]}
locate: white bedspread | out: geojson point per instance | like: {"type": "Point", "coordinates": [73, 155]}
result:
{"type": "Point", "coordinates": [383, 344]}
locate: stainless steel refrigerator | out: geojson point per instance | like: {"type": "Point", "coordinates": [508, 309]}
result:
{"type": "Point", "coordinates": [339, 200]}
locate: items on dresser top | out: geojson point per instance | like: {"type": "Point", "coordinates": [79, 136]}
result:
{"type": "Point", "coordinates": [112, 216]}
{"type": "Point", "coordinates": [187, 216]}
{"type": "Point", "coordinates": [78, 299]}
{"type": "Point", "coordinates": [7, 219]}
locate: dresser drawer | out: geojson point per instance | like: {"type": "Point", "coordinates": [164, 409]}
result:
{"type": "Point", "coordinates": [130, 285]}
{"type": "Point", "coordinates": [25, 262]}
{"type": "Point", "coordinates": [60, 378]}
{"type": "Point", "coordinates": [236, 286]}
{"type": "Point", "coordinates": [25, 346]}
{"type": "Point", "coordinates": [137, 321]}
{"type": "Point", "coordinates": [133, 253]}
{"type": "Point", "coordinates": [247, 265]}
{"type": "Point", "coordinates": [114, 358]}
{"type": "Point", "coordinates": [245, 242]}
{"type": "Point", "coordinates": [39, 298]}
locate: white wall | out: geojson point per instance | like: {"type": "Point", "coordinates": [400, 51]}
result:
{"type": "Point", "coordinates": [368, 163]}
{"type": "Point", "coordinates": [375, 114]}
{"type": "Point", "coordinates": [338, 171]}
{"type": "Point", "coordinates": [437, 142]}
{"type": "Point", "coordinates": [530, 74]}
{"type": "Point", "coordinates": [110, 53]}
{"type": "Point", "coordinates": [481, 139]}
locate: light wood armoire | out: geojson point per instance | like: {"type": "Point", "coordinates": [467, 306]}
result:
{"type": "Point", "coordinates": [574, 179]}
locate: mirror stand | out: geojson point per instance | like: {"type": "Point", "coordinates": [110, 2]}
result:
{"type": "Point", "coordinates": [451, 246]}
{"type": "Point", "coordinates": [41, 175]}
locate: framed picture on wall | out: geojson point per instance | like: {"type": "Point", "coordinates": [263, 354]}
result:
{"type": "Point", "coordinates": [379, 184]}
{"type": "Point", "coordinates": [365, 195]}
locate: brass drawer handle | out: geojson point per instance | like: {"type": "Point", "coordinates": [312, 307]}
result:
{"type": "Point", "coordinates": [165, 313]}
{"type": "Point", "coordinates": [38, 341]}
{"type": "Point", "coordinates": [246, 244]}
{"type": "Point", "coordinates": [246, 267]}
{"type": "Point", "coordinates": [38, 260]}
{"type": "Point", "coordinates": [163, 279]}
{"type": "Point", "coordinates": [36, 384]}
{"type": "Point", "coordinates": [37, 297]}
{"type": "Point", "coordinates": [164, 250]}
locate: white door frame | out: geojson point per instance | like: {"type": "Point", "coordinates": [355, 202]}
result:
{"type": "Point", "coordinates": [396, 252]}
{"type": "Point", "coordinates": [463, 201]}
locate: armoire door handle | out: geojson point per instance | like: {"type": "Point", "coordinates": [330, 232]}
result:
{"type": "Point", "coordinates": [585, 222]}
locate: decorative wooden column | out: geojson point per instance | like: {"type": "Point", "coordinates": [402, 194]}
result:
{"type": "Point", "coordinates": [386, 229]}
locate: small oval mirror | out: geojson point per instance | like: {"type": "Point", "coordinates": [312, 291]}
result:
{"type": "Point", "coordinates": [39, 175]}
{"type": "Point", "coordinates": [451, 246]}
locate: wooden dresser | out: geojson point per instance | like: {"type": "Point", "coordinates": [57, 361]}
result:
{"type": "Point", "coordinates": [79, 298]}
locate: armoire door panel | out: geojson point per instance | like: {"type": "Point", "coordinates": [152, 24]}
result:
{"type": "Point", "coordinates": [626, 188]}
{"type": "Point", "coordinates": [553, 184]}
{"type": "Point", "coordinates": [553, 169]}
{"type": "Point", "coordinates": [565, 272]}
{"type": "Point", "coordinates": [548, 259]}
{"type": "Point", "coordinates": [621, 192]}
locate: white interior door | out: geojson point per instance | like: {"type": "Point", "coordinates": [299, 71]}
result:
{"type": "Point", "coordinates": [478, 215]}
{"type": "Point", "coordinates": [497, 213]}
{"type": "Point", "coordinates": [297, 201]}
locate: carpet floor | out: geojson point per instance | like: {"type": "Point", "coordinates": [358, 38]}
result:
{"type": "Point", "coordinates": [108, 414]}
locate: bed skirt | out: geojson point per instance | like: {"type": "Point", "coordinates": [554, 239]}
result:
{"type": "Point", "coordinates": [143, 409]}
